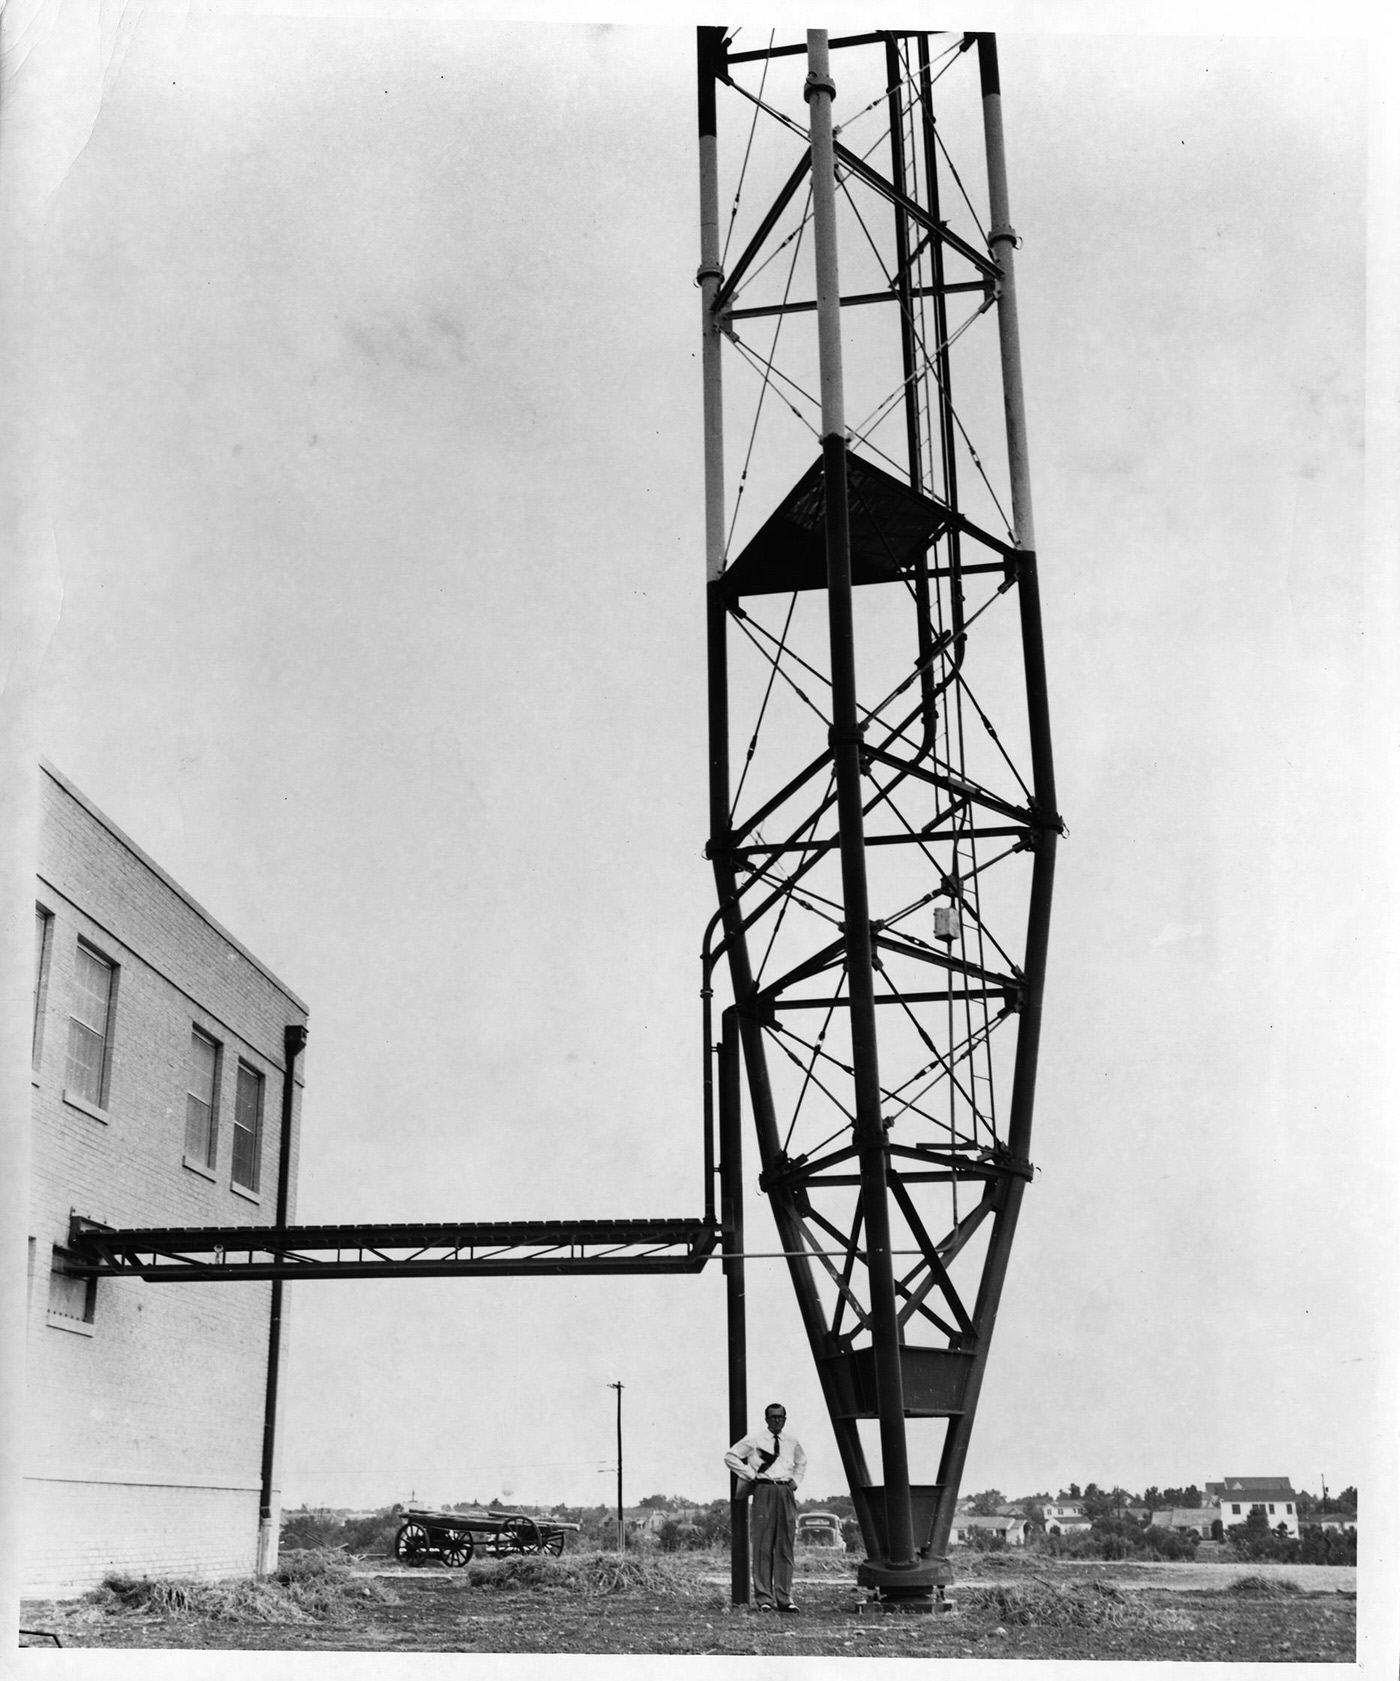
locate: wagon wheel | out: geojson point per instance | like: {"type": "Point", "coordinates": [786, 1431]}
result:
{"type": "Point", "coordinates": [456, 1547]}
{"type": "Point", "coordinates": [411, 1545]}
{"type": "Point", "coordinates": [520, 1535]}
{"type": "Point", "coordinates": [553, 1542]}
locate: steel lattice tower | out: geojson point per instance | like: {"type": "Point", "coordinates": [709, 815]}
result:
{"type": "Point", "coordinates": [882, 806]}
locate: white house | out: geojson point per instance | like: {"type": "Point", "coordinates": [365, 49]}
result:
{"type": "Point", "coordinates": [1066, 1517]}
{"type": "Point", "coordinates": [1011, 1530]}
{"type": "Point", "coordinates": [1274, 1496]}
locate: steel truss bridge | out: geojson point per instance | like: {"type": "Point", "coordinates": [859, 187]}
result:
{"type": "Point", "coordinates": [435, 1250]}
{"type": "Point", "coordinates": [883, 818]}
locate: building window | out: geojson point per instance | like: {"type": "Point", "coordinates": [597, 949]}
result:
{"type": "Point", "coordinates": [72, 1298]}
{"type": "Point", "coordinates": [1235, 1511]}
{"type": "Point", "coordinates": [1289, 1508]}
{"type": "Point", "coordinates": [89, 1025]}
{"type": "Point", "coordinates": [1271, 1508]}
{"type": "Point", "coordinates": [43, 925]}
{"type": "Point", "coordinates": [202, 1100]}
{"type": "Point", "coordinates": [247, 1128]}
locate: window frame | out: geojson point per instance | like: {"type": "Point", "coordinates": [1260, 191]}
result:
{"type": "Point", "coordinates": [250, 1186]}
{"type": "Point", "coordinates": [207, 1163]}
{"type": "Point", "coordinates": [72, 1093]}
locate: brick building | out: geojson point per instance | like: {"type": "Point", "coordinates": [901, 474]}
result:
{"type": "Point", "coordinates": [161, 1050]}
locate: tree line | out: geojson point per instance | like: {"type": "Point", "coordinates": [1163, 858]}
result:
{"type": "Point", "coordinates": [1115, 1531]}
{"type": "Point", "coordinates": [1100, 1502]}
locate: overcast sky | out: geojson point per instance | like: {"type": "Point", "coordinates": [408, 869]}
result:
{"type": "Point", "coordinates": [363, 528]}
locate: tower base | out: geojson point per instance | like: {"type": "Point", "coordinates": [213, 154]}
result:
{"type": "Point", "coordinates": [917, 1587]}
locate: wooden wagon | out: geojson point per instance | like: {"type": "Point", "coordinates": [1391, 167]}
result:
{"type": "Point", "coordinates": [453, 1537]}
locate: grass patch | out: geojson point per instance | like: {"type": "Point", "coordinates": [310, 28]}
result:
{"type": "Point", "coordinates": [307, 1587]}
{"type": "Point", "coordinates": [814, 1563]}
{"type": "Point", "coordinates": [1076, 1605]}
{"type": "Point", "coordinates": [585, 1575]}
{"type": "Point", "coordinates": [969, 1562]}
{"type": "Point", "coordinates": [1264, 1587]}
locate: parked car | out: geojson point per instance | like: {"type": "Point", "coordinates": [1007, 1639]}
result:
{"type": "Point", "coordinates": [819, 1529]}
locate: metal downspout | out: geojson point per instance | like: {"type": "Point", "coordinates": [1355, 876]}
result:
{"type": "Point", "coordinates": [293, 1042]}
{"type": "Point", "coordinates": [731, 1132]}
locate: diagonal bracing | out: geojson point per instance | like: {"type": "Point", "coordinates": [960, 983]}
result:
{"type": "Point", "coordinates": [885, 857]}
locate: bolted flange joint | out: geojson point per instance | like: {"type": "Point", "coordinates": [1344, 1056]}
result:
{"type": "Point", "coordinates": [920, 1575]}
{"type": "Point", "coordinates": [911, 1588]}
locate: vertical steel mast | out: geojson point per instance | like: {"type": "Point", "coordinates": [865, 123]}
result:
{"type": "Point", "coordinates": [883, 847]}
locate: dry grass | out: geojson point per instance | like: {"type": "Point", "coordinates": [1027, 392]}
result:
{"type": "Point", "coordinates": [1266, 1587]}
{"type": "Point", "coordinates": [586, 1575]}
{"type": "Point", "coordinates": [308, 1587]}
{"type": "Point", "coordinates": [596, 1603]}
{"type": "Point", "coordinates": [1076, 1605]}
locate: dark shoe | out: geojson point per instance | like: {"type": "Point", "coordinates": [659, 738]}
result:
{"type": "Point", "coordinates": [763, 1605]}
{"type": "Point", "coordinates": [791, 1610]}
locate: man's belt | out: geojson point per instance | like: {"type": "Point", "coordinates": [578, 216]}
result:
{"type": "Point", "coordinates": [747, 1489]}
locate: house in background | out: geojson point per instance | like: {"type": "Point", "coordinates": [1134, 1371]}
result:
{"type": "Point", "coordinates": [966, 1526]}
{"type": "Point", "coordinates": [164, 1079]}
{"type": "Point", "coordinates": [1339, 1522]}
{"type": "Point", "coordinates": [1186, 1520]}
{"type": "Point", "coordinates": [644, 1523]}
{"type": "Point", "coordinates": [1238, 1496]}
{"type": "Point", "coordinates": [1066, 1517]}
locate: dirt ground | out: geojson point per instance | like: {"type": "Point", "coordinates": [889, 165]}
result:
{"type": "Point", "coordinates": [1188, 1613]}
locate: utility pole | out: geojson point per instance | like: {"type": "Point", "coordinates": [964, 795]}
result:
{"type": "Point", "coordinates": [621, 1528]}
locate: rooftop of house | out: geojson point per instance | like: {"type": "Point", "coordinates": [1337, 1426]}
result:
{"type": "Point", "coordinates": [1184, 1517]}
{"type": "Point", "coordinates": [1256, 1487]}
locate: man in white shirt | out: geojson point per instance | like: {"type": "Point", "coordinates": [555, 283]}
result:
{"type": "Point", "coordinates": [770, 1466]}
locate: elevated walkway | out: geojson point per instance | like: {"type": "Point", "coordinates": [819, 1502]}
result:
{"type": "Point", "coordinates": [429, 1250]}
